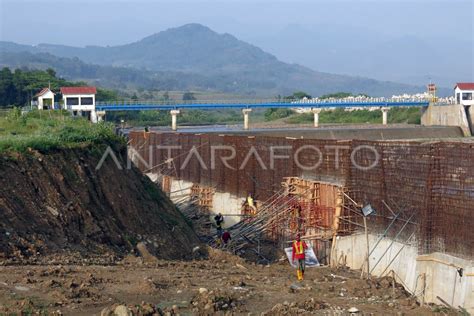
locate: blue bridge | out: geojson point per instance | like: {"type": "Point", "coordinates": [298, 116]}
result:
{"type": "Point", "coordinates": [250, 104]}
{"type": "Point", "coordinates": [246, 106]}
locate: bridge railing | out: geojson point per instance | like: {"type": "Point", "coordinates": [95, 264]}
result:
{"type": "Point", "coordinates": [245, 102]}
{"type": "Point", "coordinates": [181, 102]}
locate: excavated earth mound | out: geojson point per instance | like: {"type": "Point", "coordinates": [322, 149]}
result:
{"type": "Point", "coordinates": [57, 207]}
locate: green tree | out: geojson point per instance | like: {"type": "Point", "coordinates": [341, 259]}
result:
{"type": "Point", "coordinates": [105, 95]}
{"type": "Point", "coordinates": [51, 72]}
{"type": "Point", "coordinates": [7, 89]}
{"type": "Point", "coordinates": [337, 95]}
{"type": "Point", "coordinates": [166, 96]}
{"type": "Point", "coordinates": [298, 95]}
{"type": "Point", "coordinates": [277, 113]}
{"type": "Point", "coordinates": [188, 96]}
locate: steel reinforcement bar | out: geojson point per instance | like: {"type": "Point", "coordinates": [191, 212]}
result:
{"type": "Point", "coordinates": [434, 182]}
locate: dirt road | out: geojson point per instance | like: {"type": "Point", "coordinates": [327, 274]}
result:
{"type": "Point", "coordinates": [224, 284]}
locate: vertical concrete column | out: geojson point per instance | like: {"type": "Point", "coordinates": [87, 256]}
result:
{"type": "Point", "coordinates": [385, 115]}
{"type": "Point", "coordinates": [174, 114]}
{"type": "Point", "coordinates": [316, 116]}
{"type": "Point", "coordinates": [94, 117]}
{"type": "Point", "coordinates": [246, 113]}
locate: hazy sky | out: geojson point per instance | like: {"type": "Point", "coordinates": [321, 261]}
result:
{"type": "Point", "coordinates": [377, 39]}
{"type": "Point", "coordinates": [106, 22]}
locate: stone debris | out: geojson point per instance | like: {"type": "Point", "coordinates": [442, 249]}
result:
{"type": "Point", "coordinates": [145, 254]}
{"type": "Point", "coordinates": [213, 301]}
{"type": "Point", "coordinates": [307, 307]}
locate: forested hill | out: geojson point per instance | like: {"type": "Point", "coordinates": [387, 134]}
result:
{"type": "Point", "coordinates": [18, 87]}
{"type": "Point", "coordinates": [189, 57]}
{"type": "Point", "coordinates": [119, 78]}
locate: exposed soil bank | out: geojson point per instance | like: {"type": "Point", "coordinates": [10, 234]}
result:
{"type": "Point", "coordinates": [58, 207]}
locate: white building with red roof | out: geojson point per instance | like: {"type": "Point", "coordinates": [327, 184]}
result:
{"type": "Point", "coordinates": [79, 98]}
{"type": "Point", "coordinates": [464, 93]}
{"type": "Point", "coordinates": [44, 99]}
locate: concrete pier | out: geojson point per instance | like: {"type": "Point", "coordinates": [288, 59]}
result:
{"type": "Point", "coordinates": [174, 114]}
{"type": "Point", "coordinates": [246, 113]}
{"type": "Point", "coordinates": [385, 115]}
{"type": "Point", "coordinates": [316, 116]}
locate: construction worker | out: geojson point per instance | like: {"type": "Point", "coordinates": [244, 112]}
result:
{"type": "Point", "coordinates": [251, 205]}
{"type": "Point", "coordinates": [146, 131]}
{"type": "Point", "coordinates": [219, 220]}
{"type": "Point", "coordinates": [248, 206]}
{"type": "Point", "coordinates": [226, 237]}
{"type": "Point", "coordinates": [299, 247]}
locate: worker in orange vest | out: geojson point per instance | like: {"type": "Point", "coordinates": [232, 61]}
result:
{"type": "Point", "coordinates": [299, 247]}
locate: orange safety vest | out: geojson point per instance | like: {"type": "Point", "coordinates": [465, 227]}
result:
{"type": "Point", "coordinates": [299, 247]}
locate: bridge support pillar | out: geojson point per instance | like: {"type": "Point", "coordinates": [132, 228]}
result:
{"type": "Point", "coordinates": [94, 117]}
{"type": "Point", "coordinates": [316, 116]}
{"type": "Point", "coordinates": [246, 113]}
{"type": "Point", "coordinates": [385, 115]}
{"type": "Point", "coordinates": [174, 124]}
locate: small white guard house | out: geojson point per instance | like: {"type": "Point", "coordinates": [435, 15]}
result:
{"type": "Point", "coordinates": [464, 93]}
{"type": "Point", "coordinates": [44, 99]}
{"type": "Point", "coordinates": [80, 100]}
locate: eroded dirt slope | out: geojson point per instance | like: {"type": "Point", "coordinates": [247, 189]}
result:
{"type": "Point", "coordinates": [58, 207]}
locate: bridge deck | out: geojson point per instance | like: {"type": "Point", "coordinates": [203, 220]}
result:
{"type": "Point", "coordinates": [170, 105]}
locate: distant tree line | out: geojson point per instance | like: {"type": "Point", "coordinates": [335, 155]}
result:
{"type": "Point", "coordinates": [341, 95]}
{"type": "Point", "coordinates": [279, 113]}
{"type": "Point", "coordinates": [18, 87]}
{"type": "Point", "coordinates": [188, 96]}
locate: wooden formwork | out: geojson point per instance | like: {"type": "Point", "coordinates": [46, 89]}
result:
{"type": "Point", "coordinates": [166, 184]}
{"type": "Point", "coordinates": [320, 210]}
{"type": "Point", "coordinates": [202, 195]}
{"type": "Point", "coordinates": [322, 202]}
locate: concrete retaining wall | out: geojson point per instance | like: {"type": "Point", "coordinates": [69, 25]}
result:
{"type": "Point", "coordinates": [440, 270]}
{"type": "Point", "coordinates": [355, 249]}
{"type": "Point", "coordinates": [224, 203]}
{"type": "Point", "coordinates": [180, 190]}
{"type": "Point", "coordinates": [446, 115]}
{"type": "Point", "coordinates": [227, 203]}
{"type": "Point", "coordinates": [443, 279]}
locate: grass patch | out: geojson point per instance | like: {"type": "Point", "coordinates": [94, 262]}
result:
{"type": "Point", "coordinates": [186, 117]}
{"type": "Point", "coordinates": [49, 130]}
{"type": "Point", "coordinates": [410, 115]}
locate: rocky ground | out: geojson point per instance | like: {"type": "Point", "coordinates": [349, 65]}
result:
{"type": "Point", "coordinates": [223, 284]}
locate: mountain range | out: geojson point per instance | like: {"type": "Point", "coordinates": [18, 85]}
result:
{"type": "Point", "coordinates": [191, 57]}
{"type": "Point", "coordinates": [409, 58]}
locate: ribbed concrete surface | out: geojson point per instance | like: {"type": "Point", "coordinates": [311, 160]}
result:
{"type": "Point", "coordinates": [340, 132]}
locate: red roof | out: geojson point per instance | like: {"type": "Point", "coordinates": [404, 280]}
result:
{"type": "Point", "coordinates": [43, 91]}
{"type": "Point", "coordinates": [465, 85]}
{"type": "Point", "coordinates": [78, 90]}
